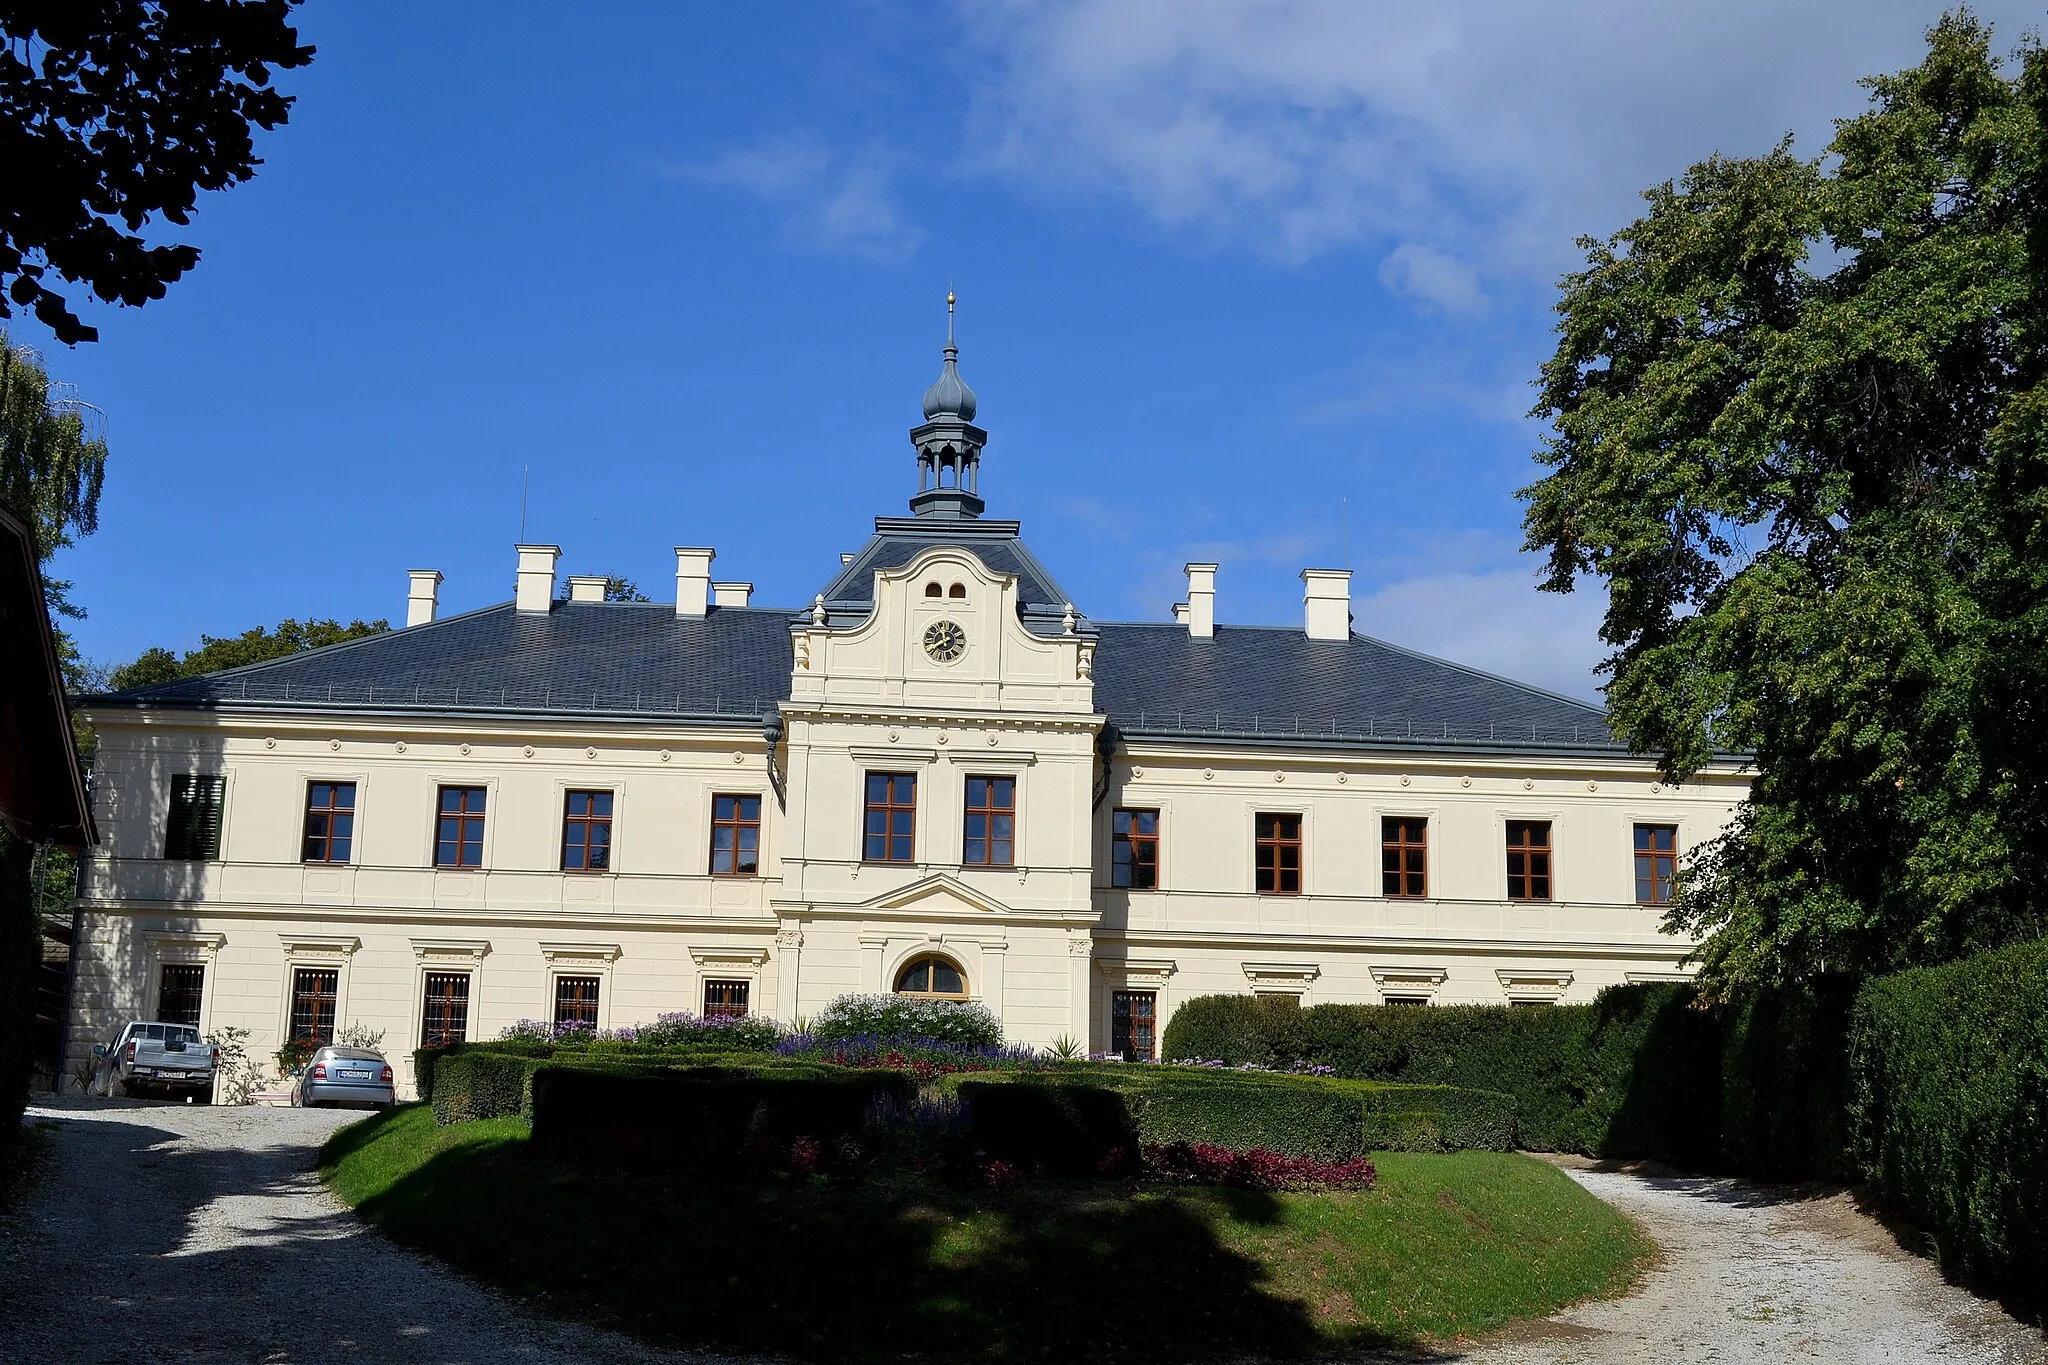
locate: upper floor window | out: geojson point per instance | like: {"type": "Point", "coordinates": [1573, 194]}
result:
{"type": "Point", "coordinates": [1404, 856]}
{"type": "Point", "coordinates": [991, 825]}
{"type": "Point", "coordinates": [587, 832]}
{"type": "Point", "coordinates": [735, 836]}
{"type": "Point", "coordinates": [933, 590]}
{"type": "Point", "coordinates": [1656, 863]}
{"type": "Point", "coordinates": [193, 827]}
{"type": "Point", "coordinates": [1529, 860]}
{"type": "Point", "coordinates": [1134, 848]}
{"type": "Point", "coordinates": [1277, 869]}
{"type": "Point", "coordinates": [330, 822]}
{"type": "Point", "coordinates": [958, 592]}
{"type": "Point", "coordinates": [459, 829]}
{"type": "Point", "coordinates": [891, 815]}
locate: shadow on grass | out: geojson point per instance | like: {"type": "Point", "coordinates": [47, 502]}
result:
{"type": "Point", "coordinates": [856, 1270]}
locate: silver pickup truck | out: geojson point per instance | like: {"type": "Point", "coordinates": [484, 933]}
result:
{"type": "Point", "coordinates": [166, 1056]}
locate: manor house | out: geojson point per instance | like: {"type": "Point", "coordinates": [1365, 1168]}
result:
{"type": "Point", "coordinates": [939, 777]}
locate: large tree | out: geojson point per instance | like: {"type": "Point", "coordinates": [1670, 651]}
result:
{"type": "Point", "coordinates": [255, 646]}
{"type": "Point", "coordinates": [1800, 429]}
{"type": "Point", "coordinates": [117, 112]}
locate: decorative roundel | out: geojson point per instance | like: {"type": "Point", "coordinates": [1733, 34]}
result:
{"type": "Point", "coordinates": [944, 641]}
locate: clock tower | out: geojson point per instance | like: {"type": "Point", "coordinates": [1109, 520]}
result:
{"type": "Point", "coordinates": [941, 757]}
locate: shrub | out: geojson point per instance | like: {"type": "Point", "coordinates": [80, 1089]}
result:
{"type": "Point", "coordinates": [1432, 1118]}
{"type": "Point", "coordinates": [961, 1023]}
{"type": "Point", "coordinates": [1635, 1073]}
{"type": "Point", "coordinates": [736, 1033]}
{"type": "Point", "coordinates": [1949, 1068]}
{"type": "Point", "coordinates": [925, 1057]}
{"type": "Point", "coordinates": [710, 1117]}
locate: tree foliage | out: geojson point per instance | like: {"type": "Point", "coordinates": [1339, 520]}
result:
{"type": "Point", "coordinates": [256, 646]}
{"type": "Point", "coordinates": [1801, 431]}
{"type": "Point", "coordinates": [116, 112]}
{"type": "Point", "coordinates": [51, 465]}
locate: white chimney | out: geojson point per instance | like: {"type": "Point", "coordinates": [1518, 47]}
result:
{"type": "Point", "coordinates": [1326, 603]}
{"type": "Point", "coordinates": [731, 594]}
{"type": "Point", "coordinates": [1180, 613]}
{"type": "Point", "coordinates": [693, 580]}
{"type": "Point", "coordinates": [423, 602]}
{"type": "Point", "coordinates": [587, 587]}
{"type": "Point", "coordinates": [1201, 616]}
{"type": "Point", "coordinates": [845, 559]}
{"type": "Point", "coordinates": [536, 583]}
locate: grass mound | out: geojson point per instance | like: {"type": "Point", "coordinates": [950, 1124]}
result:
{"type": "Point", "coordinates": [1443, 1246]}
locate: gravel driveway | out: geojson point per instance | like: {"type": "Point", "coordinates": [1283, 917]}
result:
{"type": "Point", "coordinates": [181, 1233]}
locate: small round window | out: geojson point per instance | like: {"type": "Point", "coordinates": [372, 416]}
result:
{"type": "Point", "coordinates": [934, 977]}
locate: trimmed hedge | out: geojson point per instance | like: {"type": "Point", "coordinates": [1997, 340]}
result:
{"type": "Point", "coordinates": [1950, 1107]}
{"type": "Point", "coordinates": [1635, 1073]}
{"type": "Point", "coordinates": [473, 1083]}
{"type": "Point", "coordinates": [702, 1117]}
{"type": "Point", "coordinates": [1785, 1082]}
{"type": "Point", "coordinates": [495, 1080]}
{"type": "Point", "coordinates": [1070, 1120]}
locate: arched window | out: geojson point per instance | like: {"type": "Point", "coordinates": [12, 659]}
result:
{"type": "Point", "coordinates": [932, 977]}
{"type": "Point", "coordinates": [959, 590]}
{"type": "Point", "coordinates": [931, 590]}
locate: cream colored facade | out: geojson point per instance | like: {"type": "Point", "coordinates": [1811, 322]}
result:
{"type": "Point", "coordinates": [1046, 942]}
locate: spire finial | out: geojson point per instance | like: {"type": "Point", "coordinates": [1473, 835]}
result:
{"type": "Point", "coordinates": [949, 317]}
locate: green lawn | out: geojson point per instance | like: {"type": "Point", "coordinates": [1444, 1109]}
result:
{"type": "Point", "coordinates": [1443, 1246]}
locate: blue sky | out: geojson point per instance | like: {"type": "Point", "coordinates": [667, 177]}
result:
{"type": "Point", "coordinates": [1221, 268]}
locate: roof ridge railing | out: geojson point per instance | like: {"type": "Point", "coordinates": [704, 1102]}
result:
{"type": "Point", "coordinates": [544, 697]}
{"type": "Point", "coordinates": [1390, 729]}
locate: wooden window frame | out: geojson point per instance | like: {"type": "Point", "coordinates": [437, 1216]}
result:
{"type": "Point", "coordinates": [1124, 999]}
{"type": "Point", "coordinates": [1664, 858]}
{"type": "Point", "coordinates": [588, 824]}
{"type": "Point", "coordinates": [1278, 843]}
{"type": "Point", "coordinates": [1522, 885]}
{"type": "Point", "coordinates": [314, 999]}
{"type": "Point", "coordinates": [193, 821]}
{"type": "Point", "coordinates": [725, 1009]}
{"type": "Point", "coordinates": [430, 1035]}
{"type": "Point", "coordinates": [992, 813]}
{"type": "Point", "coordinates": [595, 1001]}
{"type": "Point", "coordinates": [464, 818]}
{"type": "Point", "coordinates": [1133, 840]}
{"type": "Point", "coordinates": [926, 960]}
{"type": "Point", "coordinates": [889, 805]}
{"type": "Point", "coordinates": [1404, 839]}
{"type": "Point", "coordinates": [332, 812]}
{"type": "Point", "coordinates": [738, 824]}
{"type": "Point", "coordinates": [165, 993]}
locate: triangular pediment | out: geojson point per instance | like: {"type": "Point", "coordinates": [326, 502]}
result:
{"type": "Point", "coordinates": [937, 892]}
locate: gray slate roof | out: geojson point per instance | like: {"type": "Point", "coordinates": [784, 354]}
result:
{"type": "Point", "coordinates": [639, 660]}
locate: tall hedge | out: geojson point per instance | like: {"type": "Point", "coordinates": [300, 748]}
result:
{"type": "Point", "coordinates": [1950, 1107]}
{"type": "Point", "coordinates": [1635, 1073]}
{"type": "Point", "coordinates": [1785, 1082]}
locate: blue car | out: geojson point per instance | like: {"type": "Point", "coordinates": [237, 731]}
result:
{"type": "Point", "coordinates": [344, 1076]}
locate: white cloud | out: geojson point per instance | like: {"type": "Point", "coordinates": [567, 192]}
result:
{"type": "Point", "coordinates": [1480, 130]}
{"type": "Point", "coordinates": [1430, 275]}
{"type": "Point", "coordinates": [831, 200]}
{"type": "Point", "coordinates": [1494, 621]}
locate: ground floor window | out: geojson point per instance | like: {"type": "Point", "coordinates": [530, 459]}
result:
{"type": "Point", "coordinates": [445, 1018]}
{"type": "Point", "coordinates": [576, 1000]}
{"type": "Point", "coordinates": [314, 991]}
{"type": "Point", "coordinates": [725, 999]}
{"type": "Point", "coordinates": [1133, 1031]}
{"type": "Point", "coordinates": [179, 992]}
{"type": "Point", "coordinates": [932, 976]}
{"type": "Point", "coordinates": [1405, 1000]}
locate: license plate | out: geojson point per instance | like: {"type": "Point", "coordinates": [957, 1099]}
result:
{"type": "Point", "coordinates": [353, 1075]}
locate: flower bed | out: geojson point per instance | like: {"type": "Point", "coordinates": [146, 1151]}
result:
{"type": "Point", "coordinates": [1203, 1163]}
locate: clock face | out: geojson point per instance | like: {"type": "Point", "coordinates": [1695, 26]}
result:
{"type": "Point", "coordinates": [944, 641]}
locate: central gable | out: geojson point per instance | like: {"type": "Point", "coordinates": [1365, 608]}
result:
{"type": "Point", "coordinates": [945, 631]}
